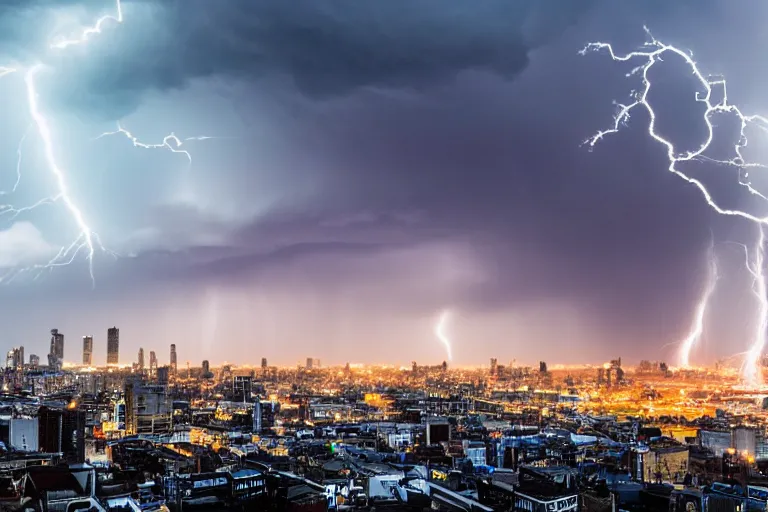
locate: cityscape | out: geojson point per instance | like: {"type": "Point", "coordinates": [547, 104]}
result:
{"type": "Point", "coordinates": [403, 255]}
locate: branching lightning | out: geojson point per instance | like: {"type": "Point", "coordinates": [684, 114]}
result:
{"type": "Point", "coordinates": [441, 334]}
{"type": "Point", "coordinates": [170, 141]}
{"type": "Point", "coordinates": [87, 32]}
{"type": "Point", "coordinates": [86, 241]}
{"type": "Point", "coordinates": [697, 328]}
{"type": "Point", "coordinates": [751, 368]}
{"type": "Point", "coordinates": [651, 53]}
{"type": "Point", "coordinates": [654, 53]}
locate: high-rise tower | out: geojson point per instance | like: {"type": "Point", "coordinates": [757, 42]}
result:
{"type": "Point", "coordinates": [113, 345]}
{"type": "Point", "coordinates": [87, 350]}
{"type": "Point", "coordinates": [57, 345]}
{"type": "Point", "coordinates": [152, 363]}
{"type": "Point", "coordinates": [174, 365]}
{"type": "Point", "coordinates": [141, 359]}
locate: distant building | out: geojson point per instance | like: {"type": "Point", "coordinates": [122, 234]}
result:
{"type": "Point", "coordinates": [34, 360]}
{"type": "Point", "coordinates": [310, 361]}
{"type": "Point", "coordinates": [57, 345]}
{"type": "Point", "coordinates": [206, 367]}
{"type": "Point", "coordinates": [263, 363]}
{"type": "Point", "coordinates": [174, 363]}
{"type": "Point", "coordinates": [152, 363]}
{"type": "Point", "coordinates": [87, 350]}
{"type": "Point", "coordinates": [141, 359]}
{"type": "Point", "coordinates": [113, 346]}
{"type": "Point", "coordinates": [15, 359]}
{"type": "Point", "coordinates": [494, 365]}
{"type": "Point", "coordinates": [163, 374]}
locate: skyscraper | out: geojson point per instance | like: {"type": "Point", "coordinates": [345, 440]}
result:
{"type": "Point", "coordinates": [206, 367]}
{"type": "Point", "coordinates": [34, 360]}
{"type": "Point", "coordinates": [152, 363]}
{"type": "Point", "coordinates": [174, 365]}
{"type": "Point", "coordinates": [57, 345]}
{"type": "Point", "coordinates": [113, 345]}
{"type": "Point", "coordinates": [87, 350]}
{"type": "Point", "coordinates": [263, 363]}
{"type": "Point", "coordinates": [141, 359]}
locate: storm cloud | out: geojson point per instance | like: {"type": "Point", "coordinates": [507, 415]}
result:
{"type": "Point", "coordinates": [378, 162]}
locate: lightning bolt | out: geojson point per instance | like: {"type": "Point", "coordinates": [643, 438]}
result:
{"type": "Point", "coordinates": [170, 141]}
{"type": "Point", "coordinates": [87, 32]}
{"type": "Point", "coordinates": [87, 241]}
{"type": "Point", "coordinates": [440, 332]}
{"type": "Point", "coordinates": [751, 369]}
{"type": "Point", "coordinates": [653, 52]}
{"type": "Point", "coordinates": [697, 328]}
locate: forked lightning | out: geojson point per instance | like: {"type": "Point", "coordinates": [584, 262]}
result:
{"type": "Point", "coordinates": [87, 241]}
{"type": "Point", "coordinates": [697, 328]}
{"type": "Point", "coordinates": [652, 53]}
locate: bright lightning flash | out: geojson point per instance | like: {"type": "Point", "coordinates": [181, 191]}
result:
{"type": "Point", "coordinates": [697, 328]}
{"type": "Point", "coordinates": [170, 141]}
{"type": "Point", "coordinates": [652, 52]}
{"type": "Point", "coordinates": [87, 241]}
{"type": "Point", "coordinates": [440, 332]}
{"type": "Point", "coordinates": [751, 369]}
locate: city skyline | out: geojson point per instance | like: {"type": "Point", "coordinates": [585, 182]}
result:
{"type": "Point", "coordinates": [349, 207]}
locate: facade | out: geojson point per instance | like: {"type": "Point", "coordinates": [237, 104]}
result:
{"type": "Point", "coordinates": [113, 345]}
{"type": "Point", "coordinates": [87, 350]}
{"type": "Point", "coordinates": [57, 346]}
{"type": "Point", "coordinates": [141, 359]}
{"type": "Point", "coordinates": [15, 359]}
{"type": "Point", "coordinates": [147, 408]}
{"type": "Point", "coordinates": [242, 388]}
{"type": "Point", "coordinates": [174, 362]}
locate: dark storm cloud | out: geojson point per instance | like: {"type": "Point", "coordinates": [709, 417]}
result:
{"type": "Point", "coordinates": [327, 47]}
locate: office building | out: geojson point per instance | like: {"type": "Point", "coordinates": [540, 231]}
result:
{"type": "Point", "coordinates": [206, 367]}
{"type": "Point", "coordinates": [113, 346]}
{"type": "Point", "coordinates": [34, 360]}
{"type": "Point", "coordinates": [57, 346]}
{"type": "Point", "coordinates": [15, 359]}
{"type": "Point", "coordinates": [87, 350]}
{"type": "Point", "coordinates": [242, 388]}
{"type": "Point", "coordinates": [147, 408]}
{"type": "Point", "coordinates": [152, 363]}
{"type": "Point", "coordinates": [263, 363]}
{"type": "Point", "coordinates": [141, 359]}
{"type": "Point", "coordinates": [174, 363]}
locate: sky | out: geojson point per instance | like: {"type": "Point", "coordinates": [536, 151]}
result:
{"type": "Point", "coordinates": [370, 165]}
